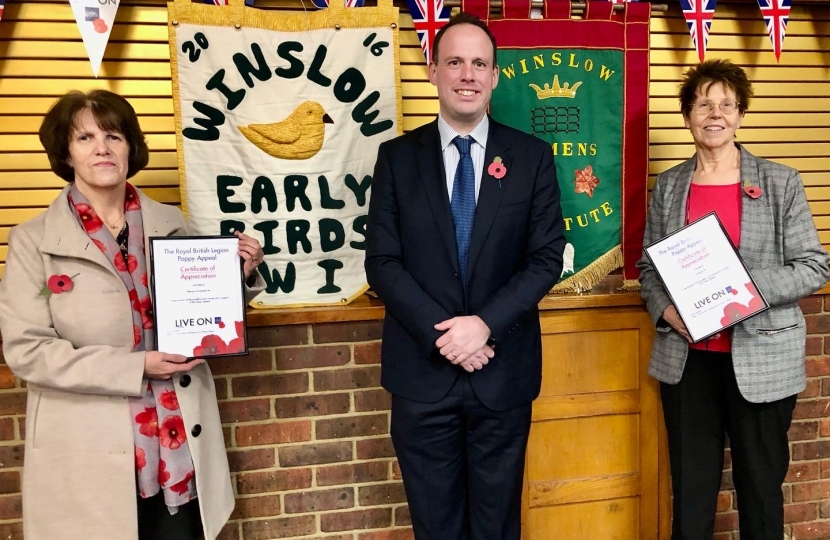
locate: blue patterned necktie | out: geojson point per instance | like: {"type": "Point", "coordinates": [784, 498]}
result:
{"type": "Point", "coordinates": [463, 204]}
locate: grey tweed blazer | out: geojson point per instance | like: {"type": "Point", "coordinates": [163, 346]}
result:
{"type": "Point", "coordinates": [779, 245]}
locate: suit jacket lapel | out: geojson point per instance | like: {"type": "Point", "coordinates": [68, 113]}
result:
{"type": "Point", "coordinates": [491, 191]}
{"type": "Point", "coordinates": [430, 162]}
{"type": "Point", "coordinates": [753, 211]}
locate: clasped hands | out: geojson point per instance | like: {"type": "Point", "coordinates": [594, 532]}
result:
{"type": "Point", "coordinates": [464, 342]}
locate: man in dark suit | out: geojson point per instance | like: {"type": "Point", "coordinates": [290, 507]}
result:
{"type": "Point", "coordinates": [465, 237]}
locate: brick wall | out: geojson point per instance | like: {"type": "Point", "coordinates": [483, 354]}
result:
{"type": "Point", "coordinates": [307, 430]}
{"type": "Point", "coordinates": [807, 486]}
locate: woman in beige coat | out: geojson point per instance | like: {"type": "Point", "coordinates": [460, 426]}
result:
{"type": "Point", "coordinates": [121, 441]}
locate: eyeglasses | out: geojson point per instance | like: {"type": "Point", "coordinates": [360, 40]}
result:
{"type": "Point", "coordinates": [727, 106]}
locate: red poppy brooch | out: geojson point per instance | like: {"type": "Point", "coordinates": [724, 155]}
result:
{"type": "Point", "coordinates": [57, 284]}
{"type": "Point", "coordinates": [497, 169]}
{"type": "Point", "coordinates": [752, 191]}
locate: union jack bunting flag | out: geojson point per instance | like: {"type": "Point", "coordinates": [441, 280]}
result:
{"type": "Point", "coordinates": [429, 16]}
{"type": "Point", "coordinates": [776, 13]}
{"type": "Point", "coordinates": [248, 3]}
{"type": "Point", "coordinates": [322, 4]}
{"type": "Point", "coordinates": [699, 15]}
{"type": "Point", "coordinates": [2, 3]}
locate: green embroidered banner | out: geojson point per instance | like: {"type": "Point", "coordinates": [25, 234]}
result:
{"type": "Point", "coordinates": [581, 85]}
{"type": "Point", "coordinates": [573, 99]}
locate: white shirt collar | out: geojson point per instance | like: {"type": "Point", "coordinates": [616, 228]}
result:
{"type": "Point", "coordinates": [478, 134]}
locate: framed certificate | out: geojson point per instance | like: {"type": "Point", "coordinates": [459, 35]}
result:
{"type": "Point", "coordinates": [198, 296]}
{"type": "Point", "coordinates": [705, 277]}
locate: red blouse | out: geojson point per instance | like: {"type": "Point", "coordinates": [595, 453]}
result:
{"type": "Point", "coordinates": [725, 201]}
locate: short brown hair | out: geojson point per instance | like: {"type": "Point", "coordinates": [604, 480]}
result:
{"type": "Point", "coordinates": [707, 73]}
{"type": "Point", "coordinates": [111, 111]}
{"type": "Point", "coordinates": [462, 17]}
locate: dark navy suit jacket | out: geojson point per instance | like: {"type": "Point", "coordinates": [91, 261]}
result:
{"type": "Point", "coordinates": [515, 257]}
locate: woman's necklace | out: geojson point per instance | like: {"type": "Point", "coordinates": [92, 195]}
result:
{"type": "Point", "coordinates": [114, 226]}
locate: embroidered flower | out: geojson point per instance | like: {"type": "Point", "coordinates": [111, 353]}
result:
{"type": "Point", "coordinates": [169, 400]}
{"type": "Point", "coordinates": [172, 434]}
{"type": "Point", "coordinates": [752, 191]}
{"type": "Point", "coordinates": [585, 181]}
{"type": "Point", "coordinates": [140, 458]}
{"type": "Point", "coordinates": [211, 344]}
{"type": "Point", "coordinates": [497, 169]}
{"type": "Point", "coordinates": [57, 284]}
{"type": "Point", "coordinates": [92, 223]}
{"type": "Point", "coordinates": [149, 421]}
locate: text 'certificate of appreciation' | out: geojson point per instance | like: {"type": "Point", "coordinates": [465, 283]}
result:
{"type": "Point", "coordinates": [705, 277]}
{"type": "Point", "coordinates": [198, 294]}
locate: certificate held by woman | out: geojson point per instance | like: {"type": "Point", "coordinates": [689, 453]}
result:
{"type": "Point", "coordinates": [198, 296]}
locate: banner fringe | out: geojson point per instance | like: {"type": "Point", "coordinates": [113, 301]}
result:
{"type": "Point", "coordinates": [630, 285]}
{"type": "Point", "coordinates": [592, 274]}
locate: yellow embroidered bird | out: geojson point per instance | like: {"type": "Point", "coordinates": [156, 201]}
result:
{"type": "Point", "coordinates": [300, 136]}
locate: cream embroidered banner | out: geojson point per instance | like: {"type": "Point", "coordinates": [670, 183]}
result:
{"type": "Point", "coordinates": [279, 117]}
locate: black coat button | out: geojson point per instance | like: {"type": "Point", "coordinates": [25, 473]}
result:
{"type": "Point", "coordinates": [185, 381]}
{"type": "Point", "coordinates": [197, 429]}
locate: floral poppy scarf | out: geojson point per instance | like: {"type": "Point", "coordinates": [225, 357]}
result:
{"type": "Point", "coordinates": [162, 455]}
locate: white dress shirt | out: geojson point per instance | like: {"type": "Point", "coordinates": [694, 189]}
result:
{"type": "Point", "coordinates": [452, 157]}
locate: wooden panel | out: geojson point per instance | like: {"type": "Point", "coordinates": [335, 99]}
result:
{"type": "Point", "coordinates": [584, 447]}
{"type": "Point", "coordinates": [570, 491]}
{"type": "Point", "coordinates": [616, 519]}
{"type": "Point", "coordinates": [575, 365]}
{"type": "Point", "coordinates": [594, 438]}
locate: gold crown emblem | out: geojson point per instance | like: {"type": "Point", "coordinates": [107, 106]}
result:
{"type": "Point", "coordinates": [556, 90]}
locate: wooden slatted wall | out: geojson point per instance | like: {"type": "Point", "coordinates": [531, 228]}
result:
{"type": "Point", "coordinates": [42, 56]}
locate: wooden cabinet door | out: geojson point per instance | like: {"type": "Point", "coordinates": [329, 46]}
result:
{"type": "Point", "coordinates": [592, 459]}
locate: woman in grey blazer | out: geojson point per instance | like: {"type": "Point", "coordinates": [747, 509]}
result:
{"type": "Point", "coordinates": [742, 382]}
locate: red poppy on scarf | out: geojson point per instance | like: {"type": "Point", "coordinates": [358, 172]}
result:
{"type": "Point", "coordinates": [140, 458]}
{"type": "Point", "coordinates": [164, 474]}
{"type": "Point", "coordinates": [134, 300]}
{"type": "Point", "coordinates": [149, 422]}
{"type": "Point", "coordinates": [131, 199]}
{"type": "Point", "coordinates": [100, 245]}
{"type": "Point", "coordinates": [181, 487]}
{"type": "Point", "coordinates": [169, 400]}
{"type": "Point", "coordinates": [172, 434]}
{"type": "Point", "coordinates": [121, 266]}
{"type": "Point", "coordinates": [146, 312]}
{"type": "Point", "coordinates": [136, 335]}
{"type": "Point", "coordinates": [92, 223]}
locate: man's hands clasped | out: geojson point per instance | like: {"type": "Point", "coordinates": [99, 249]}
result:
{"type": "Point", "coordinates": [464, 342]}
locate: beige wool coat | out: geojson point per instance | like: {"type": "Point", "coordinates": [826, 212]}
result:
{"type": "Point", "coordinates": [73, 350]}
